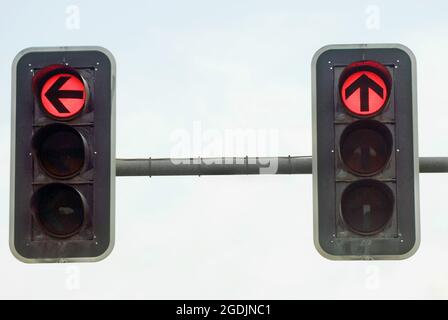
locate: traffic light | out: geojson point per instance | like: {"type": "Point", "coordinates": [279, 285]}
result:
{"type": "Point", "coordinates": [365, 159]}
{"type": "Point", "coordinates": [63, 154]}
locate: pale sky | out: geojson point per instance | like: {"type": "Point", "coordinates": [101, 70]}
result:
{"type": "Point", "coordinates": [225, 67]}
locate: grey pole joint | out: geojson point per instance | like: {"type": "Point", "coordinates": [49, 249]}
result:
{"type": "Point", "coordinates": [239, 165]}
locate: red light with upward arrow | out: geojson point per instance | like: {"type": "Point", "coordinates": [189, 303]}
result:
{"type": "Point", "coordinates": [364, 89]}
{"type": "Point", "coordinates": [364, 93]}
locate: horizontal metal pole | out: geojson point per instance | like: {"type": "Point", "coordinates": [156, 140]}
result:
{"type": "Point", "coordinates": [213, 166]}
{"type": "Point", "coordinates": [433, 164]}
{"type": "Point", "coordinates": [244, 166]}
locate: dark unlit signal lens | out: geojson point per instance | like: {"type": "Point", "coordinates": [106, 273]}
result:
{"type": "Point", "coordinates": [367, 206]}
{"type": "Point", "coordinates": [60, 150]}
{"type": "Point", "coordinates": [59, 209]}
{"type": "Point", "coordinates": [366, 147]}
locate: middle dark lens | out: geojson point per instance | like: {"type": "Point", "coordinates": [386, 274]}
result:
{"type": "Point", "coordinates": [366, 147]}
{"type": "Point", "coordinates": [60, 150]}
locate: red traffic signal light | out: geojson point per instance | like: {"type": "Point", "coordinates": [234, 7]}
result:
{"type": "Point", "coordinates": [365, 164]}
{"type": "Point", "coordinates": [365, 88]}
{"type": "Point", "coordinates": [62, 183]}
{"type": "Point", "coordinates": [61, 91]}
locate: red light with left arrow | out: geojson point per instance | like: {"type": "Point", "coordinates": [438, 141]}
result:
{"type": "Point", "coordinates": [62, 92]}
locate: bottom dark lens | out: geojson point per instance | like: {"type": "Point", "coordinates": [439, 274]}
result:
{"type": "Point", "coordinates": [59, 209]}
{"type": "Point", "coordinates": [367, 206]}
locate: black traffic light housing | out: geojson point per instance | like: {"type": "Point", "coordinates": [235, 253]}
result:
{"type": "Point", "coordinates": [63, 154]}
{"type": "Point", "coordinates": [365, 157]}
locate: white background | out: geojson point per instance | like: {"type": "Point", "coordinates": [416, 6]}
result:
{"type": "Point", "coordinates": [225, 66]}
